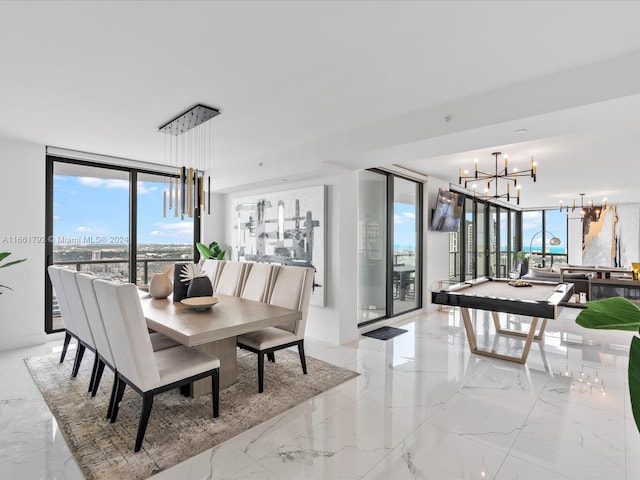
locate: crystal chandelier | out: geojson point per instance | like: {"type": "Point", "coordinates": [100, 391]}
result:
{"type": "Point", "coordinates": [508, 176]}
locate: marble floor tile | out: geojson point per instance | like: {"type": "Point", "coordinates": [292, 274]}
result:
{"type": "Point", "coordinates": [422, 407]}
{"type": "Point", "coordinates": [431, 452]}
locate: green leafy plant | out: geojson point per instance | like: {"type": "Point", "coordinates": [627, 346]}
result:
{"type": "Point", "coordinates": [4, 255]}
{"type": "Point", "coordinates": [618, 313]}
{"type": "Point", "coordinates": [634, 379]}
{"type": "Point", "coordinates": [615, 313]}
{"type": "Point", "coordinates": [521, 256]}
{"type": "Point", "coordinates": [212, 251]}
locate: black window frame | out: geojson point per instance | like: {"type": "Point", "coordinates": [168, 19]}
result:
{"type": "Point", "coordinates": [133, 221]}
{"type": "Point", "coordinates": [390, 176]}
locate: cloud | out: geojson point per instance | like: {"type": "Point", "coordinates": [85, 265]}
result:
{"type": "Point", "coordinates": [85, 229]}
{"type": "Point", "coordinates": [142, 188]}
{"type": "Point", "coordinates": [56, 218]}
{"type": "Point", "coordinates": [180, 230]}
{"type": "Point", "coordinates": [109, 183]}
{"type": "Point", "coordinates": [404, 218]}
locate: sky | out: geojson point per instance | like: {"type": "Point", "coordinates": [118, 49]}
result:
{"type": "Point", "coordinates": [96, 210]}
{"type": "Point", "coordinates": [555, 224]}
{"type": "Point", "coordinates": [404, 225]}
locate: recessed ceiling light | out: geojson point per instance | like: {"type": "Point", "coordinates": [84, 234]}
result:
{"type": "Point", "coordinates": [522, 130]}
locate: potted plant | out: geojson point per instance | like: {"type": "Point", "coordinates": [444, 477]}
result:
{"type": "Point", "coordinates": [212, 251]}
{"type": "Point", "coordinates": [523, 263]}
{"type": "Point", "coordinates": [4, 255]}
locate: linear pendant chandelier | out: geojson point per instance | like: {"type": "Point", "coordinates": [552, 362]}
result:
{"type": "Point", "coordinates": [492, 178]}
{"type": "Point", "coordinates": [187, 147]}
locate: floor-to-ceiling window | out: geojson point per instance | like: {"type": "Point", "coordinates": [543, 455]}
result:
{"type": "Point", "coordinates": [544, 237]}
{"type": "Point", "coordinates": [108, 220]}
{"type": "Point", "coordinates": [389, 245]}
{"type": "Point", "coordinates": [486, 241]}
{"type": "Point", "coordinates": [467, 240]}
{"type": "Point", "coordinates": [481, 239]}
{"type": "Point", "coordinates": [161, 236]}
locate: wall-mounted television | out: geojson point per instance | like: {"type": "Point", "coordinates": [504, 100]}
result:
{"type": "Point", "coordinates": [448, 210]}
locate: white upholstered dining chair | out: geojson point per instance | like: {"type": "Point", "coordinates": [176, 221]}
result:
{"type": "Point", "coordinates": [67, 317]}
{"type": "Point", "coordinates": [213, 268]}
{"type": "Point", "coordinates": [104, 355]}
{"type": "Point", "coordinates": [230, 278]}
{"type": "Point", "coordinates": [138, 366]}
{"type": "Point", "coordinates": [257, 281]}
{"type": "Point", "coordinates": [74, 310]}
{"type": "Point", "coordinates": [291, 288]}
{"type": "Point", "coordinates": [85, 335]}
{"type": "Point", "coordinates": [103, 349]}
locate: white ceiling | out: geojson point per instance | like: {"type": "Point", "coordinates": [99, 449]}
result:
{"type": "Point", "coordinates": [311, 88]}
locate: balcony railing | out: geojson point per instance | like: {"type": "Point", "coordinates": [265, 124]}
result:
{"type": "Point", "coordinates": [142, 266]}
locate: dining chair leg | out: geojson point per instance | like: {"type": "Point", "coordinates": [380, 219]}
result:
{"type": "Point", "coordinates": [147, 403]}
{"type": "Point", "coordinates": [260, 371]}
{"type": "Point", "coordinates": [271, 356]}
{"type": "Point", "coordinates": [215, 392]}
{"type": "Point", "coordinates": [96, 381]}
{"type": "Point", "coordinates": [112, 398]}
{"type": "Point", "coordinates": [94, 371]}
{"type": "Point", "coordinates": [76, 362]}
{"type": "Point", "coordinates": [116, 401]}
{"type": "Point", "coordinates": [303, 361]}
{"type": "Point", "coordinates": [65, 345]}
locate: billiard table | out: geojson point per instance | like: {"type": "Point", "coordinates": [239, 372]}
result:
{"type": "Point", "coordinates": [539, 300]}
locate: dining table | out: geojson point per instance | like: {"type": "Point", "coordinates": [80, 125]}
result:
{"type": "Point", "coordinates": [215, 329]}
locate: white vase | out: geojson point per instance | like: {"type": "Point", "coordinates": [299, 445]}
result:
{"type": "Point", "coordinates": [160, 286]}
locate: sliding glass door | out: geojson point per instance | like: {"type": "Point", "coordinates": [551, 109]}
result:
{"type": "Point", "coordinates": [389, 245]}
{"type": "Point", "coordinates": [405, 242]}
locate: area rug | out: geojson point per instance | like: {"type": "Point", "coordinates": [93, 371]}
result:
{"type": "Point", "coordinates": [385, 333]}
{"type": "Point", "coordinates": [179, 427]}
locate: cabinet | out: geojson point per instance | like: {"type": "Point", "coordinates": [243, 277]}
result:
{"type": "Point", "coordinates": [614, 287]}
{"type": "Point", "coordinates": [605, 282]}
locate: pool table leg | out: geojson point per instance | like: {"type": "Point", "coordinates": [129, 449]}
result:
{"type": "Point", "coordinates": [473, 345]}
{"type": "Point", "coordinates": [499, 329]}
{"type": "Point", "coordinates": [471, 336]}
{"type": "Point", "coordinates": [529, 340]}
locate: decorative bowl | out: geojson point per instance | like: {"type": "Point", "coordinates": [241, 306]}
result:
{"type": "Point", "coordinates": [143, 288]}
{"type": "Point", "coordinates": [199, 303]}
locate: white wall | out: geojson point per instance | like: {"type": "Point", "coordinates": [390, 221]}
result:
{"type": "Point", "coordinates": [213, 225]}
{"type": "Point", "coordinates": [436, 245]}
{"type": "Point", "coordinates": [336, 322]}
{"type": "Point", "coordinates": [22, 197]}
